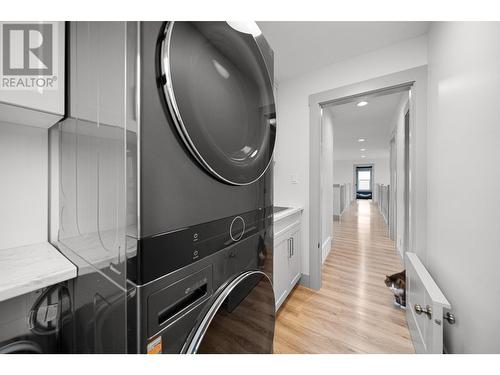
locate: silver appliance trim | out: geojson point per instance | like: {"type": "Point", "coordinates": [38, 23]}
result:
{"type": "Point", "coordinates": [210, 315]}
{"type": "Point", "coordinates": [174, 109]}
{"type": "Point", "coordinates": [138, 115]}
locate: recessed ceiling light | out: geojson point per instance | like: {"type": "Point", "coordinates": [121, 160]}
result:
{"type": "Point", "coordinates": [363, 156]}
{"type": "Point", "coordinates": [362, 104]}
{"type": "Point", "coordinates": [361, 139]}
{"type": "Point", "coordinates": [363, 149]}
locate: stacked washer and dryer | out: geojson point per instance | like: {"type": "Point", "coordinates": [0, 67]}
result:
{"type": "Point", "coordinates": [165, 189]}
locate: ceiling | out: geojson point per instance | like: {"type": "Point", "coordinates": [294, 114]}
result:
{"type": "Point", "coordinates": [373, 122]}
{"type": "Point", "coordinates": [301, 47]}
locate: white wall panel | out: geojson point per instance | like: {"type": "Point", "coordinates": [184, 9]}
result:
{"type": "Point", "coordinates": [23, 185]}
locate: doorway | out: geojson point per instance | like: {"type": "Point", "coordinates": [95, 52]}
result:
{"type": "Point", "coordinates": [414, 79]}
{"type": "Point", "coordinates": [362, 249]}
{"type": "Point", "coordinates": [364, 182]}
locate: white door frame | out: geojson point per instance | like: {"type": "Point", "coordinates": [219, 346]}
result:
{"type": "Point", "coordinates": [416, 79]}
{"type": "Point", "coordinates": [406, 177]}
{"type": "Point", "coordinates": [393, 188]}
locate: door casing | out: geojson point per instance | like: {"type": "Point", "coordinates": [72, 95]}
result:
{"type": "Point", "coordinates": [414, 79]}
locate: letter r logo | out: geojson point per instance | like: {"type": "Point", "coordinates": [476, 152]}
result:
{"type": "Point", "coordinates": [27, 49]}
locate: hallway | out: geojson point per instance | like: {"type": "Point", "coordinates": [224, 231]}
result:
{"type": "Point", "coordinates": [353, 312]}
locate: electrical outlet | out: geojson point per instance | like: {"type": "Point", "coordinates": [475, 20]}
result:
{"type": "Point", "coordinates": [294, 179]}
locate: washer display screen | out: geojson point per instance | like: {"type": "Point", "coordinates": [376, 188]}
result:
{"type": "Point", "coordinates": [220, 95]}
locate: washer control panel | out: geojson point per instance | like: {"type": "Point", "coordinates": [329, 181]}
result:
{"type": "Point", "coordinates": [161, 254]}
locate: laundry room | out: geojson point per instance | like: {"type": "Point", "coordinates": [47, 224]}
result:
{"type": "Point", "coordinates": [246, 181]}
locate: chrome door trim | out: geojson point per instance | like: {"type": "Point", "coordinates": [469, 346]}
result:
{"type": "Point", "coordinates": [214, 308]}
{"type": "Point", "coordinates": [174, 109]}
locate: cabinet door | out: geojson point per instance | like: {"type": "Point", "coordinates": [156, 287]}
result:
{"type": "Point", "coordinates": [50, 53]}
{"type": "Point", "coordinates": [294, 259]}
{"type": "Point", "coordinates": [281, 271]}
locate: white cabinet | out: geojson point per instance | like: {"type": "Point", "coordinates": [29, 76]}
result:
{"type": "Point", "coordinates": [26, 97]}
{"type": "Point", "coordinates": [287, 254]}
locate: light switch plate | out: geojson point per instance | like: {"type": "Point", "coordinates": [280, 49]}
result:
{"type": "Point", "coordinates": [294, 179]}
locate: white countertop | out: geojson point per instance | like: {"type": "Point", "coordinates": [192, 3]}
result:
{"type": "Point", "coordinates": [285, 213]}
{"type": "Point", "coordinates": [28, 268]}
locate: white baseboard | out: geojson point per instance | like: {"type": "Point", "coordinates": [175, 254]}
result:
{"type": "Point", "coordinates": [304, 280]}
{"type": "Point", "coordinates": [325, 248]}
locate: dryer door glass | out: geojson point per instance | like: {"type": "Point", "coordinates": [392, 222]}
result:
{"type": "Point", "coordinates": [240, 320]}
{"type": "Point", "coordinates": [219, 93]}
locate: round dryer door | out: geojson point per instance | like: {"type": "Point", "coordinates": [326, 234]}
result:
{"type": "Point", "coordinates": [240, 320]}
{"type": "Point", "coordinates": [220, 95]}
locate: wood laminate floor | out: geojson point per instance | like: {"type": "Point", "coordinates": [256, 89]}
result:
{"type": "Point", "coordinates": [353, 312]}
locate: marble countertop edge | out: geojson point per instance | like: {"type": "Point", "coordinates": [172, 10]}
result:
{"type": "Point", "coordinates": [28, 268]}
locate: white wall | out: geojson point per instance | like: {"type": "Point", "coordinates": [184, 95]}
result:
{"type": "Point", "coordinates": [292, 146]}
{"type": "Point", "coordinates": [326, 185]}
{"type": "Point", "coordinates": [23, 187]}
{"type": "Point", "coordinates": [463, 152]}
{"type": "Point", "coordinates": [343, 171]}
